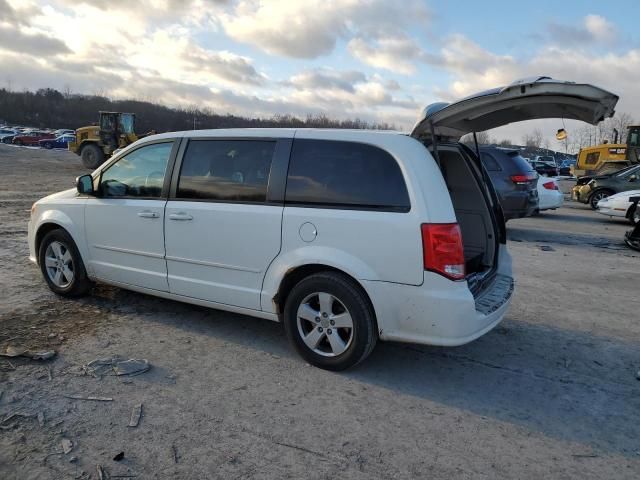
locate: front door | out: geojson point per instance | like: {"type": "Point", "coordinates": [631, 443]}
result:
{"type": "Point", "coordinates": [221, 233]}
{"type": "Point", "coordinates": [124, 223]}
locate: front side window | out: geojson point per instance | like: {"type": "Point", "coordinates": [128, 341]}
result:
{"type": "Point", "coordinates": [138, 174]}
{"type": "Point", "coordinates": [592, 158]}
{"type": "Point", "coordinates": [226, 170]}
{"type": "Point", "coordinates": [345, 174]}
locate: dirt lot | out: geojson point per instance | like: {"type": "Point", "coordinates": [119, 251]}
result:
{"type": "Point", "coordinates": [551, 393]}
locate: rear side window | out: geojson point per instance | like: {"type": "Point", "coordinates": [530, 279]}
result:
{"type": "Point", "coordinates": [226, 170]}
{"type": "Point", "coordinates": [345, 174]}
{"type": "Point", "coordinates": [489, 162]}
{"type": "Point", "coordinates": [520, 163]}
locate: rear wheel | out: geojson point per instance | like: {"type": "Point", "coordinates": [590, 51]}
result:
{"type": "Point", "coordinates": [62, 266]}
{"type": "Point", "coordinates": [329, 321]}
{"type": "Point", "coordinates": [48, 145]}
{"type": "Point", "coordinates": [18, 142]}
{"type": "Point", "coordinates": [92, 156]}
{"type": "Point", "coordinates": [597, 196]}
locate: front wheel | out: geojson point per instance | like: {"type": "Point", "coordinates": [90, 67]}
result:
{"type": "Point", "coordinates": [62, 266]}
{"type": "Point", "coordinates": [92, 156]}
{"type": "Point", "coordinates": [597, 196]}
{"type": "Point", "coordinates": [328, 319]}
{"type": "Point", "coordinates": [48, 145]}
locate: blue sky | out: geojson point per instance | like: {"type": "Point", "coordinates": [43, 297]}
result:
{"type": "Point", "coordinates": [372, 59]}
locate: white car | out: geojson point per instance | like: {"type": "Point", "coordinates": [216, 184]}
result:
{"type": "Point", "coordinates": [6, 132]}
{"type": "Point", "coordinates": [549, 195]}
{"type": "Point", "coordinates": [347, 237]}
{"type": "Point", "coordinates": [619, 205]}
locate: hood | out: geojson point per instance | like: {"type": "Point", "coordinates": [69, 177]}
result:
{"type": "Point", "coordinates": [526, 99]}
{"type": "Point", "coordinates": [65, 194]}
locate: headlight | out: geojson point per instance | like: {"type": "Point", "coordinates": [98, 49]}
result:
{"type": "Point", "coordinates": [591, 182]}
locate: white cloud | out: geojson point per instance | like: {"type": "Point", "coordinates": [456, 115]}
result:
{"type": "Point", "coordinates": [600, 28]}
{"type": "Point", "coordinates": [312, 28]}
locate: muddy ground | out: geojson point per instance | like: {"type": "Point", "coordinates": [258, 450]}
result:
{"type": "Point", "coordinates": [551, 393]}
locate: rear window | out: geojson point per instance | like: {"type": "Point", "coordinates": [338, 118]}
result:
{"type": "Point", "coordinates": [345, 174]}
{"type": "Point", "coordinates": [520, 163]}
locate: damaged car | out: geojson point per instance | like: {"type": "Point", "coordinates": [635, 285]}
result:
{"type": "Point", "coordinates": [346, 237]}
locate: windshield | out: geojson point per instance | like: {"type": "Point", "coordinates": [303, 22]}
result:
{"type": "Point", "coordinates": [127, 123]}
{"type": "Point", "coordinates": [634, 137]}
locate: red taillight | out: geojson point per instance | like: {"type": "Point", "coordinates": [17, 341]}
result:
{"type": "Point", "coordinates": [442, 249]}
{"type": "Point", "coordinates": [523, 178]}
{"type": "Point", "coordinates": [550, 186]}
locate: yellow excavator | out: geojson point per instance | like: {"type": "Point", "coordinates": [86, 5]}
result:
{"type": "Point", "coordinates": [97, 143]}
{"type": "Point", "coordinates": [608, 157]}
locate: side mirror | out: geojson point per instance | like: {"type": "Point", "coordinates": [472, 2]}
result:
{"type": "Point", "coordinates": [84, 184]}
{"type": "Point", "coordinates": [633, 178]}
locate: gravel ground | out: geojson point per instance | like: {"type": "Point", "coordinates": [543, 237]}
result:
{"type": "Point", "coordinates": [551, 393]}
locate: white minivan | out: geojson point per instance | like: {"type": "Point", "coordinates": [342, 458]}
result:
{"type": "Point", "coordinates": [347, 237]}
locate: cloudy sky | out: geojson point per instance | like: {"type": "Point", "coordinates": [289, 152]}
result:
{"type": "Point", "coordinates": [373, 59]}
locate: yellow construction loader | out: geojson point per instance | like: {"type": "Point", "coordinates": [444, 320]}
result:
{"type": "Point", "coordinates": [96, 143]}
{"type": "Point", "coordinates": [608, 157]}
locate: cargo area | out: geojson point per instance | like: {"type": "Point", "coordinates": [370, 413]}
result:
{"type": "Point", "coordinates": [471, 208]}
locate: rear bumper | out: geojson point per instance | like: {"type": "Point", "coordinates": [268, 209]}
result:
{"type": "Point", "coordinates": [551, 199]}
{"type": "Point", "coordinates": [440, 311]}
{"type": "Point", "coordinates": [519, 204]}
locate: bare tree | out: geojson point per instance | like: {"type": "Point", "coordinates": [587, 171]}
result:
{"type": "Point", "coordinates": [533, 139]}
{"type": "Point", "coordinates": [483, 138]}
{"type": "Point", "coordinates": [505, 142]}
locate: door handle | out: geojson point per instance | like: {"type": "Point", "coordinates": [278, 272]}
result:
{"type": "Point", "coordinates": [180, 216]}
{"type": "Point", "coordinates": [148, 214]}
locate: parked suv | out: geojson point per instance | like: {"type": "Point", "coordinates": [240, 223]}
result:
{"type": "Point", "coordinates": [347, 237]}
{"type": "Point", "coordinates": [514, 179]}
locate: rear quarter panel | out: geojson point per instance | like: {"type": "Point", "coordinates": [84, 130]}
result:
{"type": "Point", "coordinates": [368, 245]}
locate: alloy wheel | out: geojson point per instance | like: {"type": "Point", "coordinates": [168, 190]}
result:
{"type": "Point", "coordinates": [324, 324]}
{"type": "Point", "coordinates": [59, 264]}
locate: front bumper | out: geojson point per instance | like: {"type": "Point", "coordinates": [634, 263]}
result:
{"type": "Point", "coordinates": [31, 240]}
{"type": "Point", "coordinates": [440, 311]}
{"type": "Point", "coordinates": [580, 193]}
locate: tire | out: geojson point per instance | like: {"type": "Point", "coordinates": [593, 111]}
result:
{"type": "Point", "coordinates": [57, 251]}
{"type": "Point", "coordinates": [337, 348]}
{"type": "Point", "coordinates": [597, 196]}
{"type": "Point", "coordinates": [92, 156]}
{"type": "Point", "coordinates": [48, 145]}
{"type": "Point", "coordinates": [18, 142]}
{"type": "Point", "coordinates": [634, 215]}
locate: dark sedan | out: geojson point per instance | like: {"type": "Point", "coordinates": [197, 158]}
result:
{"type": "Point", "coordinates": [545, 169]}
{"type": "Point", "coordinates": [59, 142]}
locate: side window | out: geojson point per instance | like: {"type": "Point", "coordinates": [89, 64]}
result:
{"type": "Point", "coordinates": [592, 158]}
{"type": "Point", "coordinates": [489, 162]}
{"type": "Point", "coordinates": [348, 174]}
{"type": "Point", "coordinates": [226, 170]}
{"type": "Point", "coordinates": [137, 174]}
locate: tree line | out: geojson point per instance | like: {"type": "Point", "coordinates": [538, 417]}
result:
{"type": "Point", "coordinates": [49, 108]}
